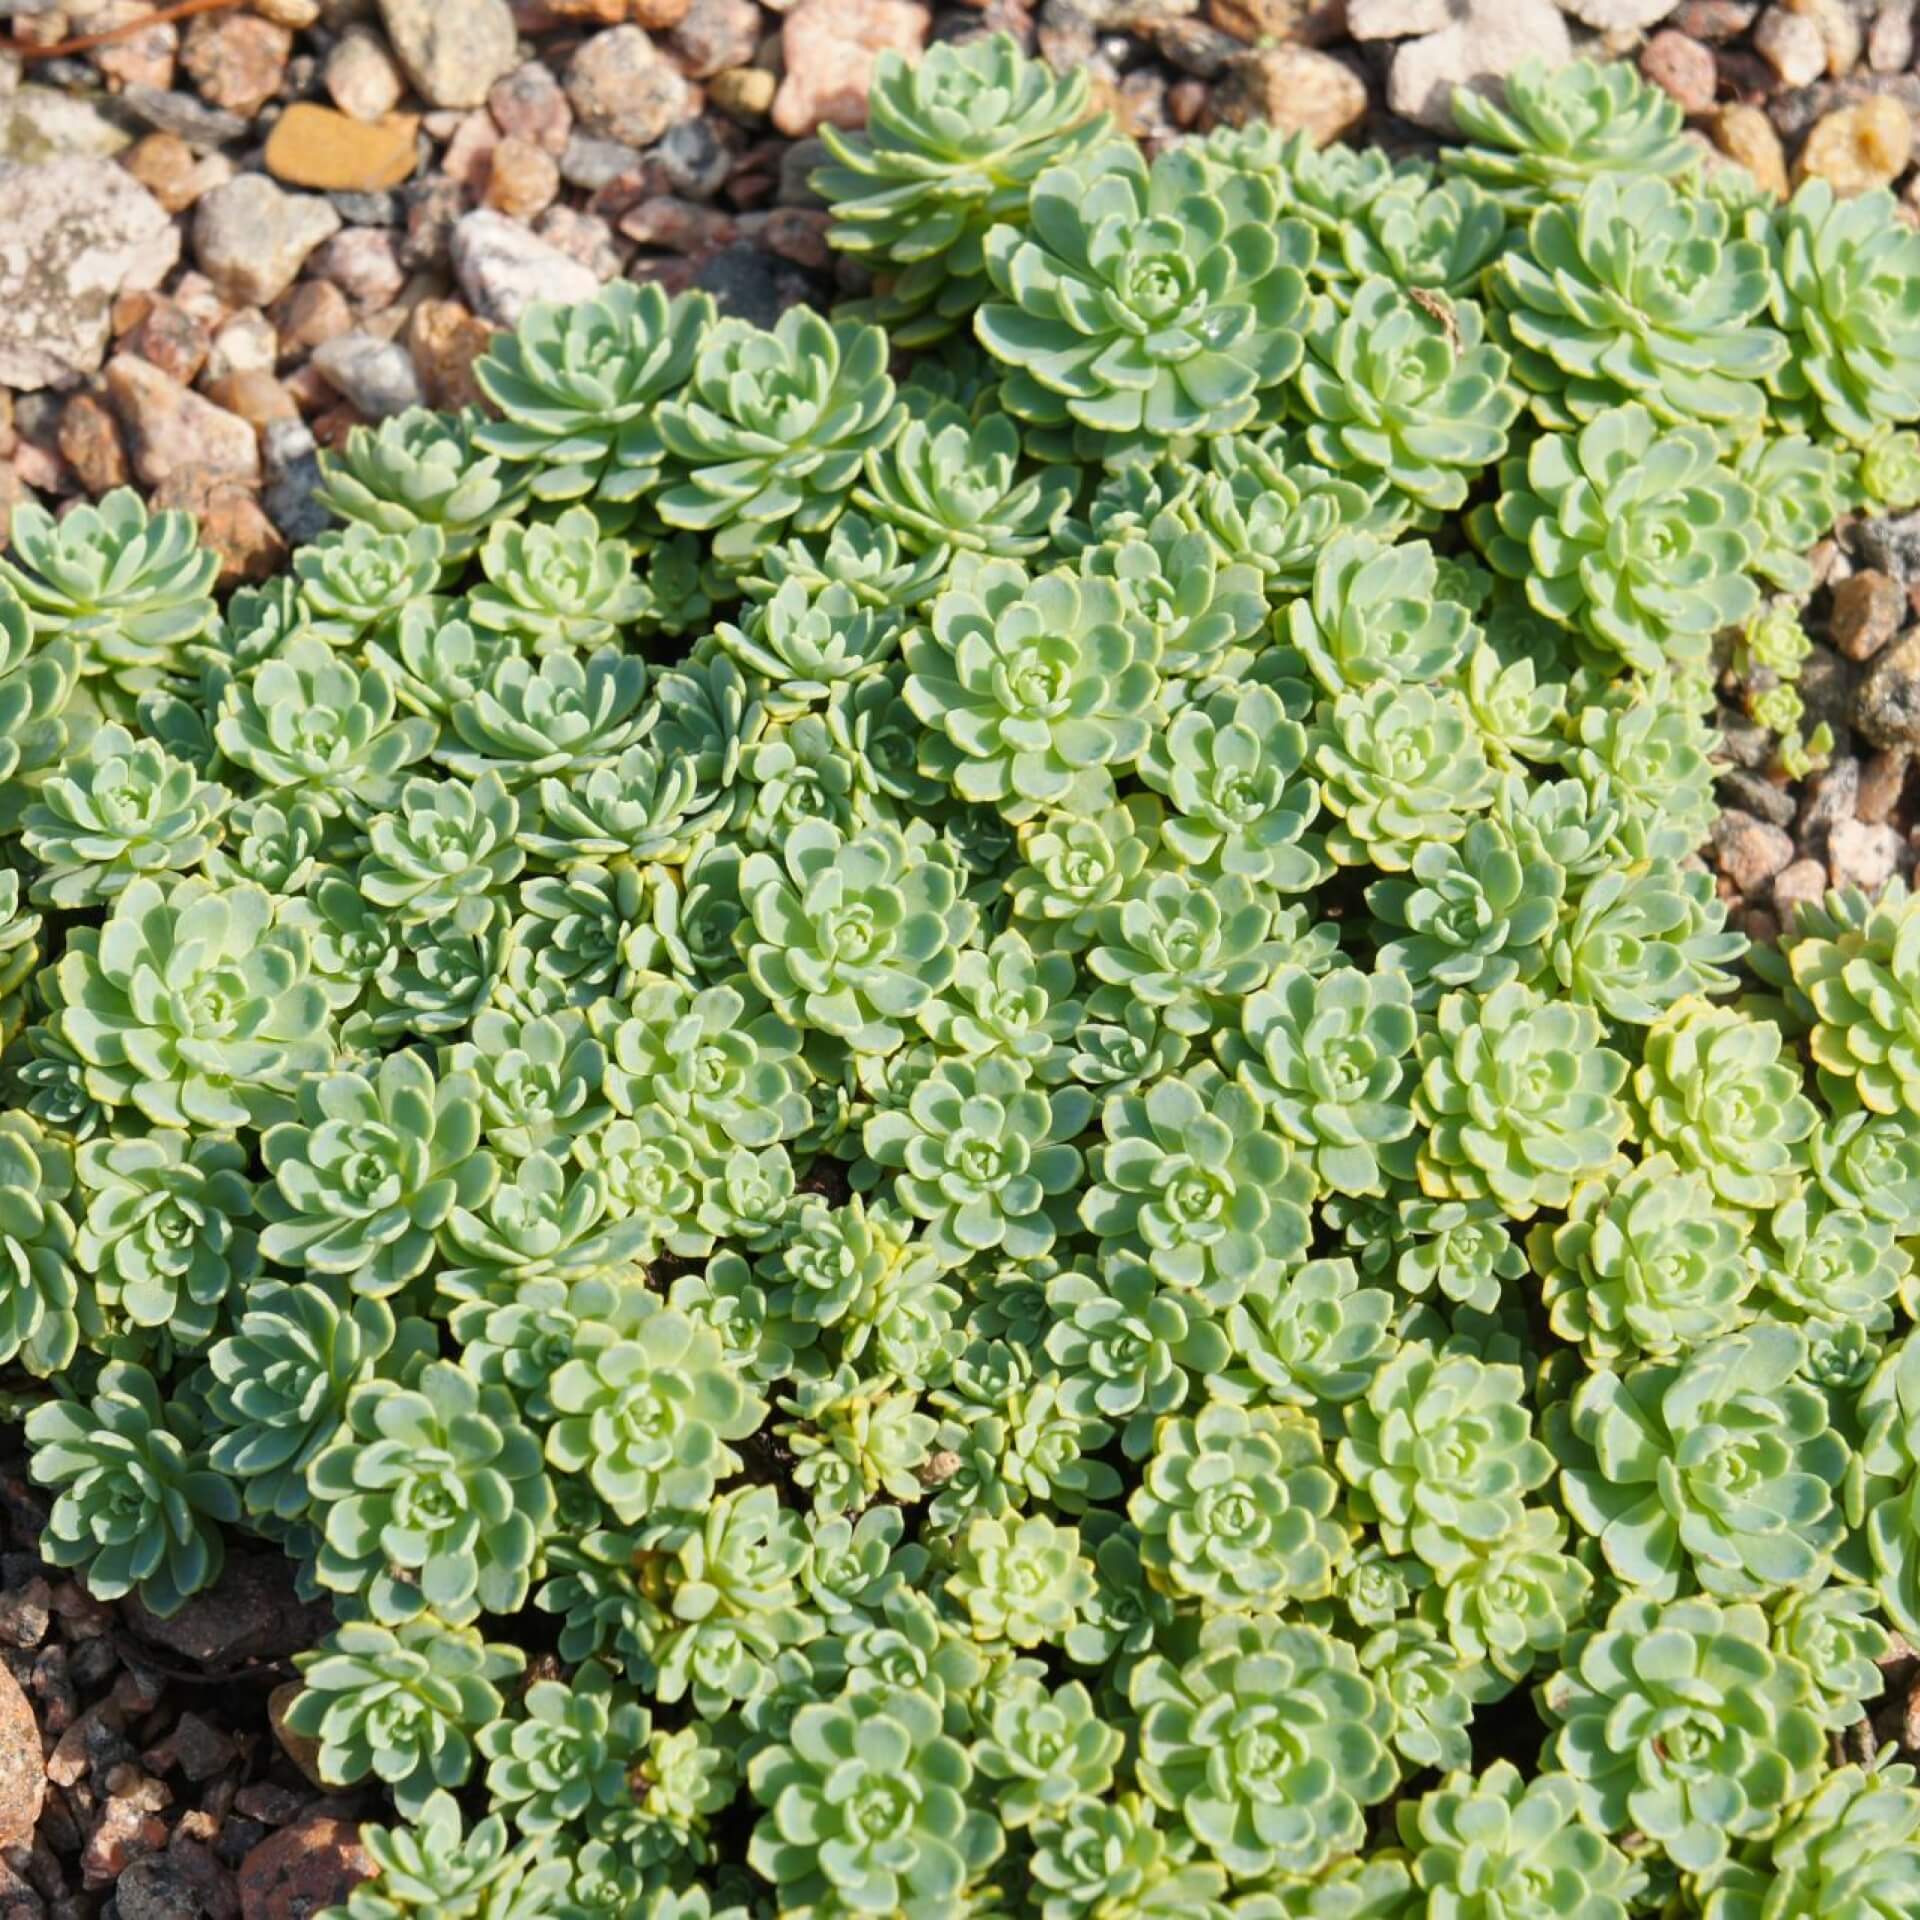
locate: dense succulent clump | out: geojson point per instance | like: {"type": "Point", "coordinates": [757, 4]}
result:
{"type": "Point", "coordinates": [1005, 1067]}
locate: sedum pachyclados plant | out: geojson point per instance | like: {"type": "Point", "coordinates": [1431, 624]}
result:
{"type": "Point", "coordinates": [952, 146]}
{"type": "Point", "coordinates": [1140, 302]}
{"type": "Point", "coordinates": [1006, 1065]}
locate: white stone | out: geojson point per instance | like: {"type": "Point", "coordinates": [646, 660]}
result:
{"type": "Point", "coordinates": [42, 123]}
{"type": "Point", "coordinates": [503, 269]}
{"type": "Point", "coordinates": [452, 50]}
{"type": "Point", "coordinates": [246, 344]}
{"type": "Point", "coordinates": [376, 375]}
{"type": "Point", "coordinates": [1396, 19]}
{"type": "Point", "coordinates": [361, 75]}
{"type": "Point", "coordinates": [251, 238]}
{"type": "Point", "coordinates": [1792, 45]}
{"type": "Point", "coordinates": [1618, 16]}
{"type": "Point", "coordinates": [73, 234]}
{"type": "Point", "coordinates": [1483, 43]}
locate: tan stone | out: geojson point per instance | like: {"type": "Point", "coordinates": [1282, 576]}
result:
{"type": "Point", "coordinates": [1745, 134]}
{"type": "Point", "coordinates": [1802, 884]}
{"type": "Point", "coordinates": [250, 238]}
{"type": "Point", "coordinates": [301, 1748]}
{"type": "Point", "coordinates": [315, 146]}
{"type": "Point", "coordinates": [1307, 23]}
{"type": "Point", "coordinates": [468, 155]}
{"type": "Point", "coordinates": [143, 59]}
{"type": "Point", "coordinates": [315, 1863]}
{"type": "Point", "coordinates": [314, 311]}
{"type": "Point", "coordinates": [362, 77]}
{"type": "Point", "coordinates": [173, 339]}
{"type": "Point", "coordinates": [43, 469]}
{"type": "Point", "coordinates": [831, 48]}
{"type": "Point", "coordinates": [1859, 147]}
{"type": "Point", "coordinates": [445, 340]}
{"type": "Point", "coordinates": [1296, 89]}
{"type": "Point", "coordinates": [258, 398]}
{"type": "Point", "coordinates": [743, 93]}
{"type": "Point", "coordinates": [530, 104]}
{"type": "Point", "coordinates": [234, 525]}
{"type": "Point", "coordinates": [167, 167]}
{"type": "Point", "coordinates": [1868, 608]}
{"type": "Point", "coordinates": [90, 445]}
{"type": "Point", "coordinates": [170, 430]}
{"type": "Point", "coordinates": [622, 87]}
{"type": "Point", "coordinates": [13, 490]}
{"type": "Point", "coordinates": [1839, 31]}
{"type": "Point", "coordinates": [523, 179]}
{"type": "Point", "coordinates": [23, 1780]}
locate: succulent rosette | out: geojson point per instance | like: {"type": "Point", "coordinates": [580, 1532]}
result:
{"type": "Point", "coordinates": [1640, 292]}
{"type": "Point", "coordinates": [772, 428]}
{"type": "Point", "coordinates": [1142, 302]}
{"type": "Point", "coordinates": [1721, 1472]}
{"type": "Point", "coordinates": [1028, 686]}
{"type": "Point", "coordinates": [952, 144]}
{"type": "Point", "coordinates": [418, 468]}
{"type": "Point", "coordinates": [576, 388]}
{"type": "Point", "coordinates": [1862, 982]}
{"type": "Point", "coordinates": [129, 589]}
{"type": "Point", "coordinates": [430, 1498]}
{"type": "Point", "coordinates": [1640, 538]}
{"type": "Point", "coordinates": [371, 1168]}
{"type": "Point", "coordinates": [1405, 391]}
{"type": "Point", "coordinates": [1268, 1743]}
{"type": "Point", "coordinates": [193, 1006]}
{"type": "Point", "coordinates": [1555, 128]}
{"type": "Point", "coordinates": [1674, 1720]}
{"type": "Point", "coordinates": [1845, 281]}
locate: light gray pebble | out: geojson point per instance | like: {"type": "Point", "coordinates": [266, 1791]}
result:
{"type": "Point", "coordinates": [367, 209]}
{"type": "Point", "coordinates": [184, 115]}
{"type": "Point", "coordinates": [1758, 796]}
{"type": "Point", "coordinates": [377, 375]}
{"type": "Point", "coordinates": [694, 158]}
{"type": "Point", "coordinates": [292, 464]}
{"type": "Point", "coordinates": [590, 163]}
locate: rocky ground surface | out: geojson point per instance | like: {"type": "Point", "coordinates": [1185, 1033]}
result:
{"type": "Point", "coordinates": [141, 1776]}
{"type": "Point", "coordinates": [233, 229]}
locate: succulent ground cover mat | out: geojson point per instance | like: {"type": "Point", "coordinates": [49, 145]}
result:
{"type": "Point", "coordinates": [943, 1099]}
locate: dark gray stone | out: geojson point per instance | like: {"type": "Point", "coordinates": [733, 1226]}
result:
{"type": "Point", "coordinates": [1747, 744]}
{"type": "Point", "coordinates": [367, 209]}
{"type": "Point", "coordinates": [1826, 686]}
{"type": "Point", "coordinates": [1756, 795]}
{"type": "Point", "coordinates": [746, 282]}
{"type": "Point", "coordinates": [796, 168]}
{"type": "Point", "coordinates": [1887, 708]}
{"type": "Point", "coordinates": [184, 115]}
{"type": "Point", "coordinates": [1196, 48]}
{"type": "Point", "coordinates": [1830, 797]}
{"type": "Point", "coordinates": [292, 466]}
{"type": "Point", "coordinates": [695, 159]}
{"type": "Point", "coordinates": [591, 164]}
{"type": "Point", "coordinates": [1892, 545]}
